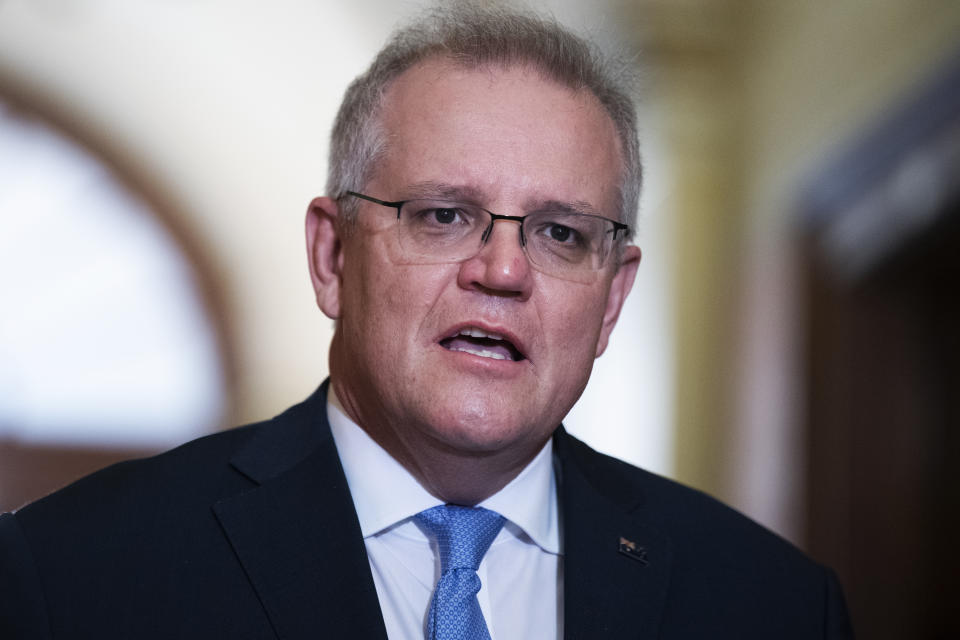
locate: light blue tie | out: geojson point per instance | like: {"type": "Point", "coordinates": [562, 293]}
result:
{"type": "Point", "coordinates": [463, 535]}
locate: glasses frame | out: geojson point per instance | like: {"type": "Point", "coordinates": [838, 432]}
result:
{"type": "Point", "coordinates": [398, 205]}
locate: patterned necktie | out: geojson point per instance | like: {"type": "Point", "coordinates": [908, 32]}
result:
{"type": "Point", "coordinates": [463, 535]}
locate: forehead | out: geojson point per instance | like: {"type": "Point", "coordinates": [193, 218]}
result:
{"type": "Point", "coordinates": [507, 133]}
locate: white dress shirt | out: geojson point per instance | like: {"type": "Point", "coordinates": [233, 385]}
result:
{"type": "Point", "coordinates": [521, 574]}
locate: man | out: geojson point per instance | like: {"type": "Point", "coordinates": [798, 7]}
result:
{"type": "Point", "coordinates": [484, 177]}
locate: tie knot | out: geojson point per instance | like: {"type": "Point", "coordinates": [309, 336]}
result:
{"type": "Point", "coordinates": [463, 534]}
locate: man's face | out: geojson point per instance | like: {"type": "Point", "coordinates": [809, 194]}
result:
{"type": "Point", "coordinates": [408, 358]}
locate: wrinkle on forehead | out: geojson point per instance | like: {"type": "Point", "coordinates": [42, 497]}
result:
{"type": "Point", "coordinates": [476, 195]}
{"type": "Point", "coordinates": [424, 77]}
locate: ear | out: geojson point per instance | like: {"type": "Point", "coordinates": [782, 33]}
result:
{"type": "Point", "coordinates": [619, 288]}
{"type": "Point", "coordinates": [325, 254]}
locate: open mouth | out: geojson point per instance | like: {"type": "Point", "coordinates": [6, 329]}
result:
{"type": "Point", "coordinates": [482, 343]}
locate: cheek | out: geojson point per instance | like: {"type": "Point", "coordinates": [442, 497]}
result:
{"type": "Point", "coordinates": [574, 328]}
{"type": "Point", "coordinates": [402, 298]}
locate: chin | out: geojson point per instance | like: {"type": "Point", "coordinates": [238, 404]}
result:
{"type": "Point", "coordinates": [486, 432]}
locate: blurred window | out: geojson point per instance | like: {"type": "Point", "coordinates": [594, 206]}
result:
{"type": "Point", "coordinates": [104, 340]}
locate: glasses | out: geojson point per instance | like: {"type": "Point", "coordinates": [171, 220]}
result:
{"type": "Point", "coordinates": [572, 246]}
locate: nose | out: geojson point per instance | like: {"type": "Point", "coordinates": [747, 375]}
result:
{"type": "Point", "coordinates": [501, 266]}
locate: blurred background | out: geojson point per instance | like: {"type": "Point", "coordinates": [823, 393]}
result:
{"type": "Point", "coordinates": [790, 346]}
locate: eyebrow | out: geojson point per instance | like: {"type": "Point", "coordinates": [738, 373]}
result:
{"type": "Point", "coordinates": [474, 195]}
{"type": "Point", "coordinates": [445, 190]}
{"type": "Point", "coordinates": [578, 207]}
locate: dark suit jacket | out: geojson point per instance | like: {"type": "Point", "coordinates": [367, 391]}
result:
{"type": "Point", "coordinates": [251, 533]}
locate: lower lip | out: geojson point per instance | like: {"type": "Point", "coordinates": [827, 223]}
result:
{"type": "Point", "coordinates": [484, 364]}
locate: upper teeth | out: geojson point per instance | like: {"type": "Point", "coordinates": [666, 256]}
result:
{"type": "Point", "coordinates": [473, 332]}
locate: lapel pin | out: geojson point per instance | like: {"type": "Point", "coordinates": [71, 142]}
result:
{"type": "Point", "coordinates": [630, 549]}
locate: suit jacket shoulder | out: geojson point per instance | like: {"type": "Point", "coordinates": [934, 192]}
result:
{"type": "Point", "coordinates": [222, 537]}
{"type": "Point", "coordinates": [682, 563]}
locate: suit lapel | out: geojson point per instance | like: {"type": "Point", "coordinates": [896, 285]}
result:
{"type": "Point", "coordinates": [616, 567]}
{"type": "Point", "coordinates": [296, 533]}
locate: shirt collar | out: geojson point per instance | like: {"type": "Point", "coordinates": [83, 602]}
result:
{"type": "Point", "coordinates": [385, 493]}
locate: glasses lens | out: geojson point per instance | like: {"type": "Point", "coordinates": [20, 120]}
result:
{"type": "Point", "coordinates": [568, 245]}
{"type": "Point", "coordinates": [441, 231]}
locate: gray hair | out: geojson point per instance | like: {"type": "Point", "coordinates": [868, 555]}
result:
{"type": "Point", "coordinates": [477, 35]}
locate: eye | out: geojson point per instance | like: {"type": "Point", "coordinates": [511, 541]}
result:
{"type": "Point", "coordinates": [443, 216]}
{"type": "Point", "coordinates": [435, 218]}
{"type": "Point", "coordinates": [438, 213]}
{"type": "Point", "coordinates": [560, 233]}
{"type": "Point", "coordinates": [562, 238]}
{"type": "Point", "coordinates": [567, 233]}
